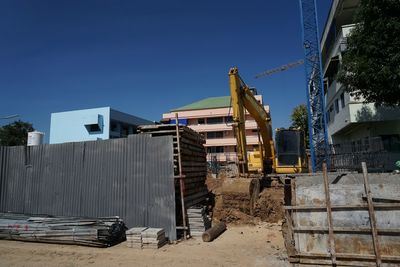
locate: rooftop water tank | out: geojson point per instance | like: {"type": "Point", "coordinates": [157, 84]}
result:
{"type": "Point", "coordinates": [35, 138]}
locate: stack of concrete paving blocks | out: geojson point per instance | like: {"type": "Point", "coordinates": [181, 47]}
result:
{"type": "Point", "coordinates": [153, 238]}
{"type": "Point", "coordinates": [198, 220]}
{"type": "Point", "coordinates": [134, 237]}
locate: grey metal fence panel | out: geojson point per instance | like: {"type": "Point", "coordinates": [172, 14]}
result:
{"type": "Point", "coordinates": [131, 177]}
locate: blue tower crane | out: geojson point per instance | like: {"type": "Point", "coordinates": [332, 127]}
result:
{"type": "Point", "coordinates": [318, 133]}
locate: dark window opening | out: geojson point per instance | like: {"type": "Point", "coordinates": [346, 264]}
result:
{"type": "Point", "coordinates": [215, 149]}
{"type": "Point", "coordinates": [229, 119]}
{"type": "Point", "coordinates": [215, 120]}
{"type": "Point", "coordinates": [337, 105]}
{"type": "Point", "coordinates": [215, 135]}
{"type": "Point", "coordinates": [93, 128]}
{"type": "Point", "coordinates": [342, 100]}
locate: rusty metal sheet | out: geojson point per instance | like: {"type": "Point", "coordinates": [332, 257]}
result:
{"type": "Point", "coordinates": [352, 229]}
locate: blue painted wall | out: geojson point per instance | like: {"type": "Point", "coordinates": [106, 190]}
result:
{"type": "Point", "coordinates": [70, 126]}
{"type": "Point", "coordinates": [88, 124]}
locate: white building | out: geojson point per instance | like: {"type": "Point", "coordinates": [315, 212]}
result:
{"type": "Point", "coordinates": [353, 126]}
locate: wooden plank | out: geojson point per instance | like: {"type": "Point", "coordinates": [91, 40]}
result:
{"type": "Point", "coordinates": [346, 230]}
{"type": "Point", "coordinates": [331, 245]}
{"type": "Point", "coordinates": [320, 262]}
{"type": "Point", "coordinates": [377, 206]}
{"type": "Point", "coordinates": [350, 256]}
{"type": "Point", "coordinates": [372, 217]}
{"type": "Point", "coordinates": [181, 183]}
{"type": "Point", "coordinates": [289, 234]}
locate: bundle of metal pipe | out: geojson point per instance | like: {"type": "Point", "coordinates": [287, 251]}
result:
{"type": "Point", "coordinates": [98, 232]}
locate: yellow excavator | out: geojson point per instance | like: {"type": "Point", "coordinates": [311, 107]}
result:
{"type": "Point", "coordinates": [286, 156]}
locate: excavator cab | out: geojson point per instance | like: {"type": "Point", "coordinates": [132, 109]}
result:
{"type": "Point", "coordinates": [290, 154]}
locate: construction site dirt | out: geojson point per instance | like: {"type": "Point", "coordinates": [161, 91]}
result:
{"type": "Point", "coordinates": [240, 245]}
{"type": "Point", "coordinates": [234, 204]}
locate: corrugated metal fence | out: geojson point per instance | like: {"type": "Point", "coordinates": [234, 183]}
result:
{"type": "Point", "coordinates": [131, 177]}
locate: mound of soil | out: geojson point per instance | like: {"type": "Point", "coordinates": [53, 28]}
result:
{"type": "Point", "coordinates": [269, 206]}
{"type": "Point", "coordinates": [234, 207]}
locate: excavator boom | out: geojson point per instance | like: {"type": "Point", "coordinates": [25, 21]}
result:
{"type": "Point", "coordinates": [242, 100]}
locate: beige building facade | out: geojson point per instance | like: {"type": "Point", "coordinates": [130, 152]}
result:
{"type": "Point", "coordinates": [212, 117]}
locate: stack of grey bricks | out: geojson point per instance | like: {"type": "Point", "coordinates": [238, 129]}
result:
{"type": "Point", "coordinates": [198, 220]}
{"type": "Point", "coordinates": [144, 237]}
{"type": "Point", "coordinates": [134, 237]}
{"type": "Point", "coordinates": [153, 238]}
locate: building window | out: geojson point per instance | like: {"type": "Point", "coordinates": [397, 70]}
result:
{"type": "Point", "coordinates": [359, 145]}
{"type": "Point", "coordinates": [94, 128]}
{"type": "Point", "coordinates": [330, 112]}
{"type": "Point", "coordinates": [215, 149]}
{"type": "Point", "coordinates": [326, 85]}
{"type": "Point", "coordinates": [328, 117]}
{"type": "Point", "coordinates": [229, 119]}
{"type": "Point", "coordinates": [353, 146]}
{"type": "Point", "coordinates": [337, 105]}
{"type": "Point", "coordinates": [113, 126]}
{"type": "Point", "coordinates": [342, 100]}
{"type": "Point", "coordinates": [200, 121]}
{"type": "Point", "coordinates": [366, 143]}
{"type": "Point", "coordinates": [391, 142]}
{"type": "Point", "coordinates": [215, 120]}
{"type": "Point", "coordinates": [215, 135]}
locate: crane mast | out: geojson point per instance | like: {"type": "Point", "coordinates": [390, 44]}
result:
{"type": "Point", "coordinates": [314, 85]}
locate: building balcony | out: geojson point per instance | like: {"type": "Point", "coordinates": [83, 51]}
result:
{"type": "Point", "coordinates": [331, 50]}
{"type": "Point", "coordinates": [220, 127]}
{"type": "Point", "coordinates": [222, 157]}
{"type": "Point", "coordinates": [356, 113]}
{"type": "Point", "coordinates": [251, 140]}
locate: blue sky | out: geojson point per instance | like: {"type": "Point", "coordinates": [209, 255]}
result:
{"type": "Point", "coordinates": [145, 57]}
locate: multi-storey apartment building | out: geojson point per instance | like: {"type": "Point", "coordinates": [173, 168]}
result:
{"type": "Point", "coordinates": [353, 126]}
{"type": "Point", "coordinates": [212, 117]}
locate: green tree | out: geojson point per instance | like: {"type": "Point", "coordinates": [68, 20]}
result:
{"type": "Point", "coordinates": [15, 134]}
{"type": "Point", "coordinates": [299, 118]}
{"type": "Point", "coordinates": [371, 64]}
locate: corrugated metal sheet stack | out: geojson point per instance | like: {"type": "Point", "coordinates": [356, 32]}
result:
{"type": "Point", "coordinates": [194, 161]}
{"type": "Point", "coordinates": [198, 220]}
{"type": "Point", "coordinates": [97, 232]}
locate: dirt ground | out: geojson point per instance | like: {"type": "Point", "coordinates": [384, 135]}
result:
{"type": "Point", "coordinates": [246, 245]}
{"type": "Point", "coordinates": [232, 205]}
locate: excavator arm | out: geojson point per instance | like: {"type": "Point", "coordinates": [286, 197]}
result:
{"type": "Point", "coordinates": [242, 100]}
